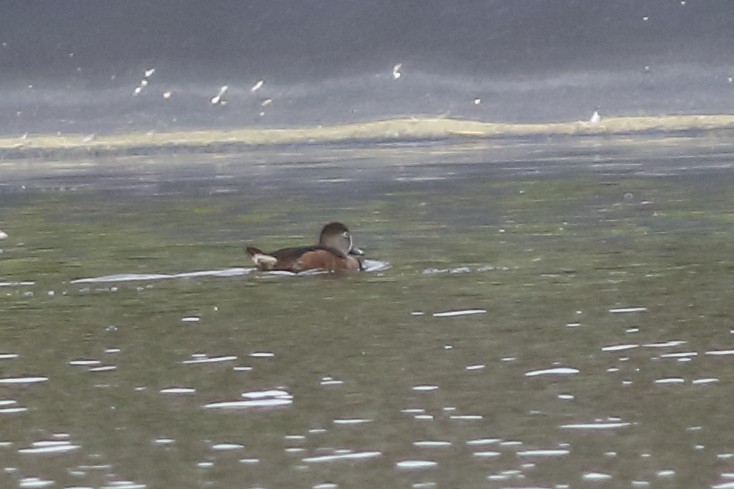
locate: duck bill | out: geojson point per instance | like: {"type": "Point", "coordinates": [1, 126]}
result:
{"type": "Point", "coordinates": [356, 252]}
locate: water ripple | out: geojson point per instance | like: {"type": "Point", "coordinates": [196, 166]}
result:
{"type": "Point", "coordinates": [147, 277]}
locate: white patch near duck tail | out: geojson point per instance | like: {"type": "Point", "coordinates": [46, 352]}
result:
{"type": "Point", "coordinates": [262, 260]}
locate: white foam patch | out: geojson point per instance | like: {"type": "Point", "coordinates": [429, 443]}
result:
{"type": "Point", "coordinates": [148, 277]}
{"type": "Point", "coordinates": [375, 265]}
{"type": "Point", "coordinates": [465, 312]}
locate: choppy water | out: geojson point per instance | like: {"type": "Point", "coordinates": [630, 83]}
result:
{"type": "Point", "coordinates": [539, 314]}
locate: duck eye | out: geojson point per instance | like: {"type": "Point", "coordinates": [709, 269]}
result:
{"type": "Point", "coordinates": [345, 235]}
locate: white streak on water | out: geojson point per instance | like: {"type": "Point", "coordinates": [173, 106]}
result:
{"type": "Point", "coordinates": [84, 362]}
{"type": "Point", "coordinates": [416, 464]}
{"type": "Point", "coordinates": [266, 393]}
{"type": "Point", "coordinates": [432, 444]}
{"type": "Point", "coordinates": [222, 447]}
{"type": "Point", "coordinates": [670, 380]}
{"type": "Point", "coordinates": [178, 390]}
{"type": "Point", "coordinates": [8, 356]}
{"type": "Point", "coordinates": [43, 450]}
{"type": "Point", "coordinates": [622, 310]}
{"type": "Point", "coordinates": [425, 388]}
{"type": "Point", "coordinates": [124, 485]}
{"type": "Point", "coordinates": [679, 355]}
{"type": "Point", "coordinates": [350, 421]}
{"type": "Point", "coordinates": [483, 441]}
{"type": "Point", "coordinates": [595, 476]}
{"type": "Point", "coordinates": [13, 410]}
{"type": "Point", "coordinates": [465, 312]}
{"type": "Point", "coordinates": [341, 456]}
{"type": "Point", "coordinates": [34, 482]}
{"type": "Point", "coordinates": [146, 277]}
{"type": "Point", "coordinates": [263, 403]}
{"type": "Point", "coordinates": [256, 399]}
{"type": "Point", "coordinates": [228, 358]}
{"type": "Point", "coordinates": [705, 381]}
{"type": "Point", "coordinates": [553, 371]}
{"type": "Point", "coordinates": [22, 380]}
{"type": "Point", "coordinates": [720, 352]}
{"type": "Point", "coordinates": [596, 426]}
{"type": "Point", "coordinates": [486, 454]}
{"type": "Point", "coordinates": [543, 453]}
{"type": "Point", "coordinates": [665, 344]}
{"type": "Point", "coordinates": [104, 368]}
{"type": "Point", "coordinates": [620, 347]}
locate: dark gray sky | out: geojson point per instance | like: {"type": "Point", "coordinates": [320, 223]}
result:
{"type": "Point", "coordinates": [296, 38]}
{"type": "Point", "coordinates": [331, 61]}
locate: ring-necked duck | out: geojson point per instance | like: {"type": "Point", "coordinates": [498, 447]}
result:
{"type": "Point", "coordinates": [333, 252]}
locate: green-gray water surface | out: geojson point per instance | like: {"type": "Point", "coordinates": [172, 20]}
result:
{"type": "Point", "coordinates": [544, 313]}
